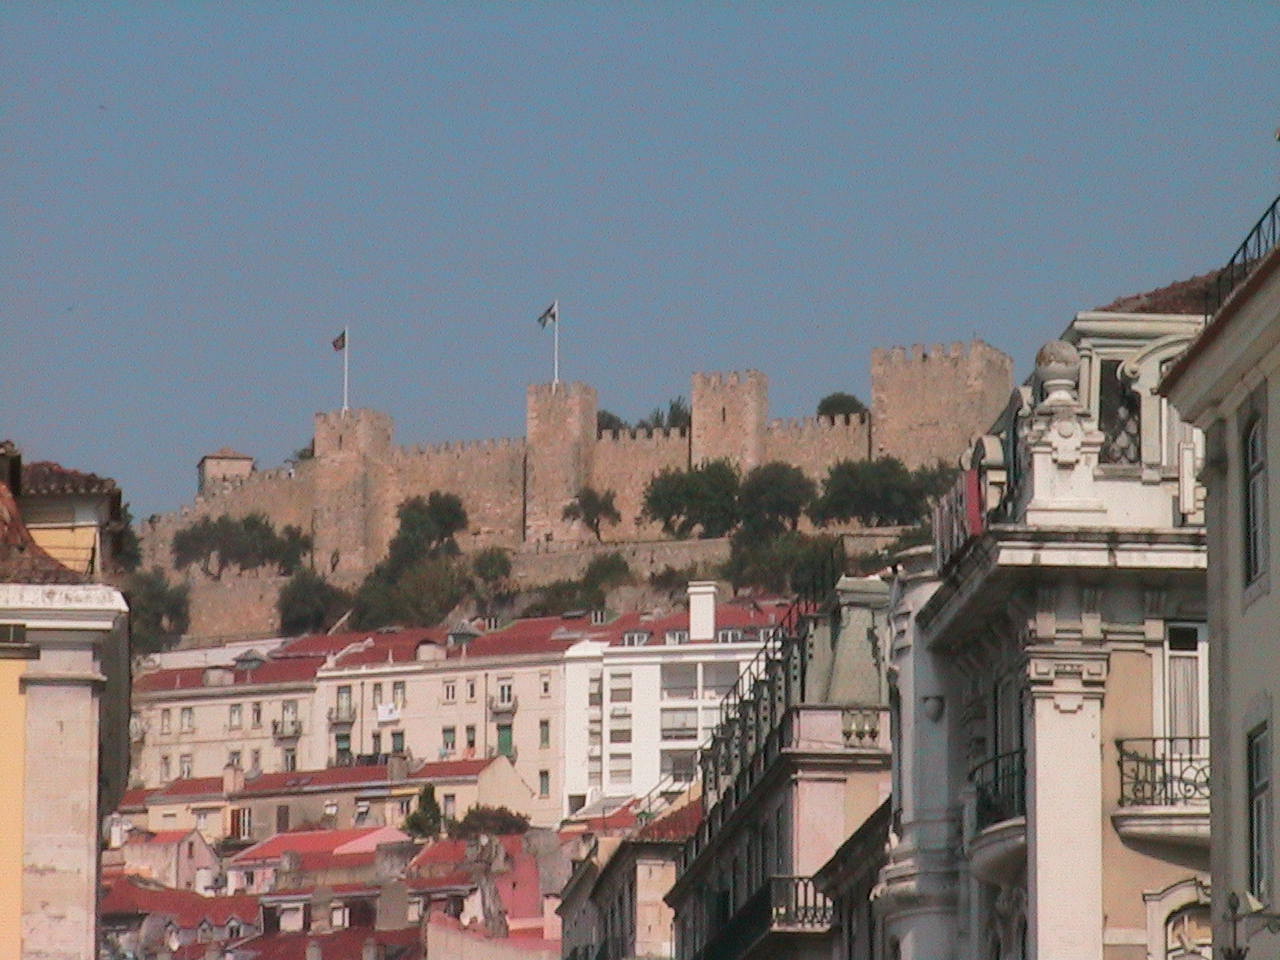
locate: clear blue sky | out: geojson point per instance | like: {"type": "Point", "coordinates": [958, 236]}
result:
{"type": "Point", "coordinates": [197, 198]}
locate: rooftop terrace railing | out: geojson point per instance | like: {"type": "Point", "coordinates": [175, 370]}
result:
{"type": "Point", "coordinates": [1258, 242]}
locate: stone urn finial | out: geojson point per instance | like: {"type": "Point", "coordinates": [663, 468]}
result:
{"type": "Point", "coordinates": [1058, 367]}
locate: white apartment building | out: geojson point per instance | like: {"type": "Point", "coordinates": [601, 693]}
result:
{"type": "Point", "coordinates": [584, 707]}
{"type": "Point", "coordinates": [1225, 384]}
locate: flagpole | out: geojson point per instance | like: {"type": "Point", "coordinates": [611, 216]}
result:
{"type": "Point", "coordinates": [346, 352]}
{"type": "Point", "coordinates": [555, 363]}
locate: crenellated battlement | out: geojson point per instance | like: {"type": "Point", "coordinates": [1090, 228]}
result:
{"type": "Point", "coordinates": [857, 421]}
{"type": "Point", "coordinates": [730, 380]}
{"type": "Point", "coordinates": [660, 435]}
{"type": "Point", "coordinates": [460, 448]}
{"type": "Point", "coordinates": [975, 350]}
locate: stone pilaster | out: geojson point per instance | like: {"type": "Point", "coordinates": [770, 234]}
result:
{"type": "Point", "coordinates": [1064, 781]}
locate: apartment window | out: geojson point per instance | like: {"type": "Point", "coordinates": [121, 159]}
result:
{"type": "Point", "coordinates": [187, 719]}
{"type": "Point", "coordinates": [506, 690]}
{"type": "Point", "coordinates": [376, 693]}
{"type": "Point", "coordinates": [362, 812]}
{"type": "Point", "coordinates": [255, 759]}
{"type": "Point", "coordinates": [448, 739]}
{"type": "Point", "coordinates": [449, 805]}
{"type": "Point", "coordinates": [1258, 754]}
{"type": "Point", "coordinates": [471, 737]}
{"type": "Point", "coordinates": [233, 758]}
{"type": "Point", "coordinates": [680, 724]}
{"type": "Point", "coordinates": [620, 729]}
{"type": "Point", "coordinates": [471, 688]}
{"type": "Point", "coordinates": [620, 687]}
{"type": "Point", "coordinates": [397, 741]}
{"type": "Point", "coordinates": [166, 719]}
{"type": "Point", "coordinates": [544, 783]}
{"type": "Point", "coordinates": [677, 637]}
{"type": "Point", "coordinates": [544, 733]}
{"type": "Point", "coordinates": [729, 635]}
{"type": "Point", "coordinates": [1119, 416]}
{"type": "Point", "coordinates": [165, 769]}
{"type": "Point", "coordinates": [635, 638]}
{"type": "Point", "coordinates": [282, 818]}
{"type": "Point", "coordinates": [289, 711]}
{"type": "Point", "coordinates": [375, 742]}
{"type": "Point", "coordinates": [233, 716]}
{"type": "Point", "coordinates": [397, 693]}
{"type": "Point", "coordinates": [344, 702]}
{"type": "Point", "coordinates": [184, 766]}
{"type": "Point", "coordinates": [620, 767]}
{"type": "Point", "coordinates": [402, 805]}
{"type": "Point", "coordinates": [593, 690]}
{"type": "Point", "coordinates": [202, 820]}
{"type": "Point", "coordinates": [1255, 499]}
{"type": "Point", "coordinates": [289, 759]}
{"type": "Point", "coordinates": [1186, 687]}
{"type": "Point", "coordinates": [331, 808]}
{"type": "Point", "coordinates": [594, 769]}
{"type": "Point", "coordinates": [544, 682]}
{"type": "Point", "coordinates": [450, 691]}
{"type": "Point", "coordinates": [255, 714]}
{"type": "Point", "coordinates": [342, 747]}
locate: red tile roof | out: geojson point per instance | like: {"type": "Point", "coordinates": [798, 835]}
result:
{"type": "Point", "coordinates": [159, 837]}
{"type": "Point", "coordinates": [44, 477]}
{"type": "Point", "coordinates": [531, 636]}
{"type": "Point", "coordinates": [345, 944]}
{"type": "Point", "coordinates": [21, 559]}
{"type": "Point", "coordinates": [399, 647]}
{"type": "Point", "coordinates": [190, 787]}
{"type": "Point", "coordinates": [732, 615]}
{"type": "Point", "coordinates": [135, 798]}
{"type": "Point", "coordinates": [678, 825]}
{"type": "Point", "coordinates": [449, 769]}
{"type": "Point", "coordinates": [1185, 296]}
{"type": "Point", "coordinates": [272, 670]}
{"type": "Point", "coordinates": [356, 842]}
{"type": "Point", "coordinates": [130, 895]}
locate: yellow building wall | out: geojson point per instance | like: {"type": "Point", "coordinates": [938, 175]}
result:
{"type": "Point", "coordinates": [13, 717]}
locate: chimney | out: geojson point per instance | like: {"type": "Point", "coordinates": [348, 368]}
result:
{"type": "Point", "coordinates": [313, 951]}
{"type": "Point", "coordinates": [702, 610]}
{"type": "Point", "coordinates": [397, 768]}
{"type": "Point", "coordinates": [369, 951]}
{"type": "Point", "coordinates": [393, 906]}
{"type": "Point", "coordinates": [321, 908]}
{"type": "Point", "coordinates": [232, 779]}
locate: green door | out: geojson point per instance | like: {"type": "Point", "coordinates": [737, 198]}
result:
{"type": "Point", "coordinates": [504, 739]}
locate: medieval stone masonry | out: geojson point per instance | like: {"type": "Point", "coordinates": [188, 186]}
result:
{"type": "Point", "coordinates": [926, 405]}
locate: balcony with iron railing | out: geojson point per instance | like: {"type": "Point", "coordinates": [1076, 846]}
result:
{"type": "Point", "coordinates": [783, 909]}
{"type": "Point", "coordinates": [289, 728]}
{"type": "Point", "coordinates": [344, 714]}
{"type": "Point", "coordinates": [503, 707]}
{"type": "Point", "coordinates": [998, 817]}
{"type": "Point", "coordinates": [1164, 790]}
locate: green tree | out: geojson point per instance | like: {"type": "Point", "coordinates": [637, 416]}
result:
{"type": "Point", "coordinates": [291, 547]}
{"type": "Point", "coordinates": [677, 416]}
{"type": "Point", "coordinates": [418, 596]}
{"type": "Point", "coordinates": [561, 596]}
{"type": "Point", "coordinates": [491, 821]}
{"type": "Point", "coordinates": [427, 527]}
{"type": "Point", "coordinates": [308, 603]}
{"type": "Point", "coordinates": [607, 422]}
{"type": "Point", "coordinates": [492, 565]}
{"type": "Point", "coordinates": [424, 820]}
{"type": "Point", "coordinates": [247, 543]}
{"type": "Point", "coordinates": [772, 499]}
{"type": "Point", "coordinates": [781, 564]}
{"type": "Point", "coordinates": [128, 549]}
{"type": "Point", "coordinates": [874, 492]}
{"type": "Point", "coordinates": [159, 613]}
{"type": "Point", "coordinates": [703, 499]}
{"type": "Point", "coordinates": [593, 508]}
{"type": "Point", "coordinates": [840, 405]}
{"type": "Point", "coordinates": [606, 571]}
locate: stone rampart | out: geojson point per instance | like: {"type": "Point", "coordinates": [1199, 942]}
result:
{"type": "Point", "coordinates": [547, 563]}
{"type": "Point", "coordinates": [625, 463]}
{"type": "Point", "coordinates": [814, 444]}
{"type": "Point", "coordinates": [927, 405]}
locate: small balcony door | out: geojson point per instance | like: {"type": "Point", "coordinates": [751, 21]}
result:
{"type": "Point", "coordinates": [1186, 688]}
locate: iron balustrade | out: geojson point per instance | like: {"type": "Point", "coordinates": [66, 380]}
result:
{"type": "Point", "coordinates": [286, 729]}
{"type": "Point", "coordinates": [1258, 242]}
{"type": "Point", "coordinates": [1001, 785]}
{"type": "Point", "coordinates": [1163, 771]}
{"type": "Point", "coordinates": [799, 905]}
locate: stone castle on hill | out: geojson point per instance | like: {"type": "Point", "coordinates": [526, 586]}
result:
{"type": "Point", "coordinates": [926, 405]}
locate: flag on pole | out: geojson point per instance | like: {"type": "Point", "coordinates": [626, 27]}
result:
{"type": "Point", "coordinates": [550, 315]}
{"type": "Point", "coordinates": [340, 341]}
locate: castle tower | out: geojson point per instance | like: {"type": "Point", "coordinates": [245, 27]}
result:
{"type": "Point", "coordinates": [353, 516]}
{"type": "Point", "coordinates": [560, 431]}
{"type": "Point", "coordinates": [928, 405]}
{"type": "Point", "coordinates": [223, 467]}
{"type": "Point", "coordinates": [729, 416]}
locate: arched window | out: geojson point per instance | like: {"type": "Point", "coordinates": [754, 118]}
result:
{"type": "Point", "coordinates": [1254, 463]}
{"type": "Point", "coordinates": [1188, 933]}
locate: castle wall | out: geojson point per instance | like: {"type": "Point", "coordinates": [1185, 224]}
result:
{"type": "Point", "coordinates": [814, 444]}
{"type": "Point", "coordinates": [928, 405]}
{"type": "Point", "coordinates": [625, 463]}
{"type": "Point", "coordinates": [546, 565]}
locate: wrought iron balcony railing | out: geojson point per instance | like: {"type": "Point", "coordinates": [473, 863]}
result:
{"type": "Point", "coordinates": [782, 905]}
{"type": "Point", "coordinates": [1164, 771]}
{"type": "Point", "coordinates": [1258, 242]}
{"type": "Point", "coordinates": [1001, 785]}
{"type": "Point", "coordinates": [342, 713]}
{"type": "Point", "coordinates": [497, 705]}
{"type": "Point", "coordinates": [286, 729]}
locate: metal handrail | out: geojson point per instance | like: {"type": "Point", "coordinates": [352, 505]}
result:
{"type": "Point", "coordinates": [1258, 242]}
{"type": "Point", "coordinates": [1001, 784]}
{"type": "Point", "coordinates": [1163, 771]}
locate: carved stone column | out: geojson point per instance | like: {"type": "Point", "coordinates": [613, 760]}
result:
{"type": "Point", "coordinates": [1064, 781]}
